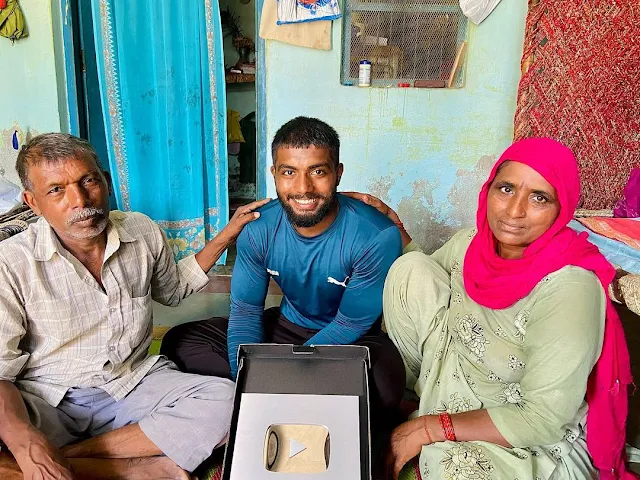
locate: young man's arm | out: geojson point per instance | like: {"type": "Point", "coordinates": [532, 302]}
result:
{"type": "Point", "coordinates": [249, 284]}
{"type": "Point", "coordinates": [361, 304]}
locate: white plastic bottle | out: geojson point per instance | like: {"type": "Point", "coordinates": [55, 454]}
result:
{"type": "Point", "coordinates": [364, 77]}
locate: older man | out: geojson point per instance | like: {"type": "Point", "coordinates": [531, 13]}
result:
{"type": "Point", "coordinates": [75, 327]}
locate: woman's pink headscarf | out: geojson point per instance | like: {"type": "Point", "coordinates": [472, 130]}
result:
{"type": "Point", "coordinates": [498, 283]}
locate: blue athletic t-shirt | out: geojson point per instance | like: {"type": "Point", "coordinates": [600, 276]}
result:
{"type": "Point", "coordinates": [332, 282]}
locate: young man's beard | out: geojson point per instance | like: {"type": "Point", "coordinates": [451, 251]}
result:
{"type": "Point", "coordinates": [311, 219]}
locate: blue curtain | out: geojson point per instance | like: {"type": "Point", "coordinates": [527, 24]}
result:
{"type": "Point", "coordinates": [161, 75]}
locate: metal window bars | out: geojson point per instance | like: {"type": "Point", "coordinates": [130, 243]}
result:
{"type": "Point", "coordinates": [405, 41]}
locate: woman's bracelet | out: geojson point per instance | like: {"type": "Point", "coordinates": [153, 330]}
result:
{"type": "Point", "coordinates": [447, 426]}
{"type": "Point", "coordinates": [426, 430]}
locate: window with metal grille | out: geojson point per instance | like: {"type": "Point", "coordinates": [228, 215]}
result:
{"type": "Point", "coordinates": [408, 42]}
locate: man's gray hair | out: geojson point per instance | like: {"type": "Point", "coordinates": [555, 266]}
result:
{"type": "Point", "coordinates": [52, 148]}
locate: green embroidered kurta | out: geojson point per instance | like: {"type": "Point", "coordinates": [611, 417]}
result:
{"type": "Point", "coordinates": [527, 364]}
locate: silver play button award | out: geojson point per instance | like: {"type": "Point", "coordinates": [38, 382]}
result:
{"type": "Point", "coordinates": [297, 448]}
{"type": "Point", "coordinates": [290, 437]}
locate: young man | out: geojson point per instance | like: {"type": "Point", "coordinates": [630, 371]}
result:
{"type": "Point", "coordinates": [328, 253]}
{"type": "Point", "coordinates": [76, 325]}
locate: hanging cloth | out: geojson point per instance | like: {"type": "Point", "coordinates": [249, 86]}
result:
{"type": "Point", "coordinates": [629, 205]}
{"type": "Point", "coordinates": [234, 132]}
{"type": "Point", "coordinates": [12, 24]}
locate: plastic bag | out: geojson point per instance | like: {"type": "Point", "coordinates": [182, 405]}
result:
{"type": "Point", "coordinates": [629, 204]}
{"type": "Point", "coordinates": [10, 195]}
{"type": "Point", "coordinates": [478, 10]}
{"type": "Point", "coordinates": [12, 24]}
{"type": "Point", "coordinates": [296, 11]}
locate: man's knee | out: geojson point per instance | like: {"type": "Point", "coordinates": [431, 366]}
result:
{"type": "Point", "coordinates": [206, 408]}
{"type": "Point", "coordinates": [172, 341]}
{"type": "Point", "coordinates": [411, 267]}
{"type": "Point", "coordinates": [387, 370]}
{"type": "Point", "coordinates": [222, 391]}
{"type": "Point", "coordinates": [415, 281]}
{"type": "Point", "coordinates": [199, 347]}
{"type": "Point", "coordinates": [187, 337]}
{"type": "Point", "coordinates": [215, 397]}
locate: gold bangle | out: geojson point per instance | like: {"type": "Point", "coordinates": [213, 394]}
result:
{"type": "Point", "coordinates": [426, 430]}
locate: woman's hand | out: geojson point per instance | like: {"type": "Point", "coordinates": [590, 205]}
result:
{"type": "Point", "coordinates": [406, 443]}
{"type": "Point", "coordinates": [376, 203]}
{"type": "Point", "coordinates": [384, 209]}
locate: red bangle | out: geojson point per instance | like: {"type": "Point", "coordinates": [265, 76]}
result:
{"type": "Point", "coordinates": [447, 426]}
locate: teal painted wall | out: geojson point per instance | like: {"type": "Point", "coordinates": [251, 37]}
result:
{"type": "Point", "coordinates": [424, 151]}
{"type": "Point", "coordinates": [31, 102]}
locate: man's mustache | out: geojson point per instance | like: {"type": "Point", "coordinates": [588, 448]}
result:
{"type": "Point", "coordinates": [85, 213]}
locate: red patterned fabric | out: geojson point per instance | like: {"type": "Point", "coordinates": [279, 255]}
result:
{"type": "Point", "coordinates": [583, 88]}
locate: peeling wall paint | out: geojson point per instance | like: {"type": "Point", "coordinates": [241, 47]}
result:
{"type": "Point", "coordinates": [30, 86]}
{"type": "Point", "coordinates": [424, 151]}
{"type": "Point", "coordinates": [8, 153]}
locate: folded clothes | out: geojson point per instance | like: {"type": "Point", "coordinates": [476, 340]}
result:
{"type": "Point", "coordinates": [625, 230]}
{"type": "Point", "coordinates": [618, 253]}
{"type": "Point", "coordinates": [15, 221]}
{"type": "Point", "coordinates": [296, 11]}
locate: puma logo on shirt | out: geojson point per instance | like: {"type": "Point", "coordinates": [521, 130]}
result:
{"type": "Point", "coordinates": [336, 282]}
{"type": "Point", "coordinates": [273, 273]}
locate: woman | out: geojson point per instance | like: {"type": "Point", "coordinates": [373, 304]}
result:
{"type": "Point", "coordinates": [500, 331]}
